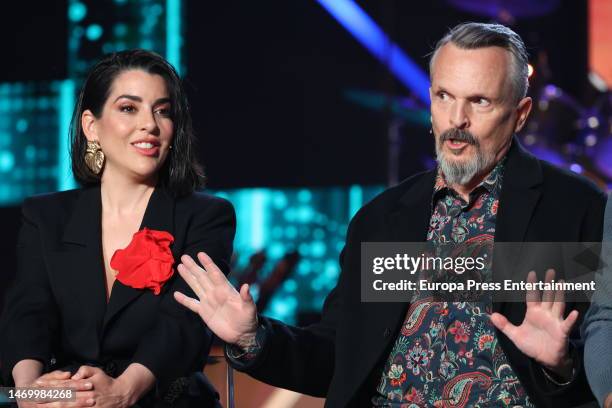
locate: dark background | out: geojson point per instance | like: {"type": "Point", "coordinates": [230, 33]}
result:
{"type": "Point", "coordinates": [269, 80]}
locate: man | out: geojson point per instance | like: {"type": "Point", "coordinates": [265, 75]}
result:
{"type": "Point", "coordinates": [435, 353]}
{"type": "Point", "coordinates": [597, 326]}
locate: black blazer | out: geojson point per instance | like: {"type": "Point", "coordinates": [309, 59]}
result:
{"type": "Point", "coordinates": [343, 355]}
{"type": "Point", "coordinates": [56, 310]}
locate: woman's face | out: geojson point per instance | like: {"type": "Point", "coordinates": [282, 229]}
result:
{"type": "Point", "coordinates": [135, 128]}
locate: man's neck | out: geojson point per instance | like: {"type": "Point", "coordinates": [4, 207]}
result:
{"type": "Point", "coordinates": [464, 190]}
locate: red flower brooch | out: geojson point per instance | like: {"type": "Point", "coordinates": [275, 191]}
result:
{"type": "Point", "coordinates": [146, 263]}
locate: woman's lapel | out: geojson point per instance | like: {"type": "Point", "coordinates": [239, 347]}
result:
{"type": "Point", "coordinates": [79, 260]}
{"type": "Point", "coordinates": [159, 215]}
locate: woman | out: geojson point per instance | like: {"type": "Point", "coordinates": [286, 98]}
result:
{"type": "Point", "coordinates": [93, 293]}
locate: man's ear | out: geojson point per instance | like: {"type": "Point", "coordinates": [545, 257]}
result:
{"type": "Point", "coordinates": [523, 109]}
{"type": "Point", "coordinates": [88, 124]}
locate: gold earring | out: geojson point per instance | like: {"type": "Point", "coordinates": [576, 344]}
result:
{"type": "Point", "coordinates": [94, 157]}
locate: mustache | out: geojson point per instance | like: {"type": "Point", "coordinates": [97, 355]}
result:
{"type": "Point", "coordinates": [458, 135]}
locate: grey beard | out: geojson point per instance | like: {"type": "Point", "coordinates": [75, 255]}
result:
{"type": "Point", "coordinates": [463, 173]}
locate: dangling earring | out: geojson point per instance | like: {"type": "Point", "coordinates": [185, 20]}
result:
{"type": "Point", "coordinates": [94, 157]}
{"type": "Point", "coordinates": [431, 131]}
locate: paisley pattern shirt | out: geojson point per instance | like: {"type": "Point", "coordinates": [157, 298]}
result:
{"type": "Point", "coordinates": [447, 353]}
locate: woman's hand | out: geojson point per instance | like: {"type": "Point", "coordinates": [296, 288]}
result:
{"type": "Point", "coordinates": [60, 379]}
{"type": "Point", "coordinates": [26, 372]}
{"type": "Point", "coordinates": [107, 391]}
{"type": "Point", "coordinates": [231, 315]}
{"type": "Point", "coordinates": [123, 391]}
{"type": "Point", "coordinates": [41, 381]}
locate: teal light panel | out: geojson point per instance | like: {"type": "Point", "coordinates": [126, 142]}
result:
{"type": "Point", "coordinates": [99, 27]}
{"type": "Point", "coordinates": [30, 122]}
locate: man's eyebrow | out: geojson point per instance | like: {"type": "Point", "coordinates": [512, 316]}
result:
{"type": "Point", "coordinates": [440, 89]}
{"type": "Point", "coordinates": [471, 97]}
{"type": "Point", "coordinates": [478, 96]}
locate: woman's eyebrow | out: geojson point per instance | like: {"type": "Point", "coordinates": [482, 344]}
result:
{"type": "Point", "coordinates": [139, 99]}
{"type": "Point", "coordinates": [131, 97]}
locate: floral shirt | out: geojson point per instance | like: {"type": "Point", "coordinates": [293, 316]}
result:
{"type": "Point", "coordinates": [447, 353]}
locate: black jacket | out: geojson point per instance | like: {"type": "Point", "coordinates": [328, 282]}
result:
{"type": "Point", "coordinates": [342, 357]}
{"type": "Point", "coordinates": [56, 310]}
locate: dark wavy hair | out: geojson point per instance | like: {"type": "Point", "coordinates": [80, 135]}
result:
{"type": "Point", "coordinates": [181, 173]}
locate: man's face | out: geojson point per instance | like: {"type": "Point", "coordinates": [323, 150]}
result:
{"type": "Point", "coordinates": [473, 109]}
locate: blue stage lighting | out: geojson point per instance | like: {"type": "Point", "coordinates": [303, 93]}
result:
{"type": "Point", "coordinates": [371, 36]}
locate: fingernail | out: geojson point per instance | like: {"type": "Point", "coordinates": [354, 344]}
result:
{"type": "Point", "coordinates": [88, 385]}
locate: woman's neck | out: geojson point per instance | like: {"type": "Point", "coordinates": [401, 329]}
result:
{"type": "Point", "coordinates": [122, 196]}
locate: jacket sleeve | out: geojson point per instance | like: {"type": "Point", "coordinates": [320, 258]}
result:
{"type": "Point", "coordinates": [29, 311]}
{"type": "Point", "coordinates": [179, 342]}
{"type": "Point", "coordinates": [296, 358]}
